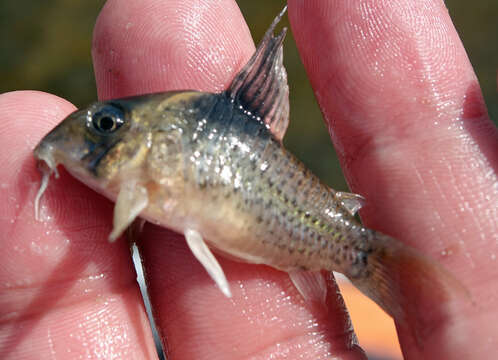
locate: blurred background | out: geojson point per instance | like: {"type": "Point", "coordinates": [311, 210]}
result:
{"type": "Point", "coordinates": [45, 45]}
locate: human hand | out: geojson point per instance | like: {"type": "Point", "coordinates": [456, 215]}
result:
{"type": "Point", "coordinates": [410, 127]}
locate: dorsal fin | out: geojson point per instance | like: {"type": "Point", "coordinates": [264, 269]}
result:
{"type": "Point", "coordinates": [260, 88]}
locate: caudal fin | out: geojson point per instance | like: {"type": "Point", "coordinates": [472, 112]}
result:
{"type": "Point", "coordinates": [416, 291]}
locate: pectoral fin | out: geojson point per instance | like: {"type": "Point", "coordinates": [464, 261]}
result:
{"type": "Point", "coordinates": [207, 259]}
{"type": "Point", "coordinates": [132, 199]}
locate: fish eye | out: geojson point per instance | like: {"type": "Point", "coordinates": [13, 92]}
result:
{"type": "Point", "coordinates": [107, 119]}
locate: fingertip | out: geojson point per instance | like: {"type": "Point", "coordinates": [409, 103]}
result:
{"type": "Point", "coordinates": [26, 117]}
{"type": "Point", "coordinates": [37, 107]}
{"type": "Point", "coordinates": [378, 66]}
{"type": "Point", "coordinates": [152, 45]}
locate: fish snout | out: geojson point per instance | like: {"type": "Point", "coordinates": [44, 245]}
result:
{"type": "Point", "coordinates": [44, 153]}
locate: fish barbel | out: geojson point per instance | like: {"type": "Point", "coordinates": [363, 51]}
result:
{"type": "Point", "coordinates": [212, 166]}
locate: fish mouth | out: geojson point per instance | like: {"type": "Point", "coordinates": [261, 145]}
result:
{"type": "Point", "coordinates": [47, 166]}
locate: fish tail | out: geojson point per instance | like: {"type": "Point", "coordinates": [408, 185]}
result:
{"type": "Point", "coordinates": [416, 291]}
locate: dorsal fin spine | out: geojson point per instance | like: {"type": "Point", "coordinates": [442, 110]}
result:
{"type": "Point", "coordinates": [268, 56]}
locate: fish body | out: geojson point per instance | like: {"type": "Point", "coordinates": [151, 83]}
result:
{"type": "Point", "coordinates": [207, 165]}
{"type": "Point", "coordinates": [212, 166]}
{"type": "Point", "coordinates": [248, 195]}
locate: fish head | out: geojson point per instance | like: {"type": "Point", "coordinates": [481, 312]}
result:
{"type": "Point", "coordinates": [108, 141]}
{"type": "Point", "coordinates": [84, 139]}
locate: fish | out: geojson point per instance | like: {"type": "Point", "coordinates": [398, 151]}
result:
{"type": "Point", "coordinates": [212, 166]}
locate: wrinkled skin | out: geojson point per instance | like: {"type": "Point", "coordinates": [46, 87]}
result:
{"type": "Point", "coordinates": [410, 128]}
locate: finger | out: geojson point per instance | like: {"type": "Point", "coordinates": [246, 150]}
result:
{"type": "Point", "coordinates": [202, 45]}
{"type": "Point", "coordinates": [173, 48]}
{"type": "Point", "coordinates": [65, 291]}
{"type": "Point", "coordinates": [408, 121]}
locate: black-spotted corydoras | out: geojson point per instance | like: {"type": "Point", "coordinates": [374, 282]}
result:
{"type": "Point", "coordinates": [212, 166]}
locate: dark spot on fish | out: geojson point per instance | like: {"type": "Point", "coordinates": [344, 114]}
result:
{"type": "Point", "coordinates": [361, 258]}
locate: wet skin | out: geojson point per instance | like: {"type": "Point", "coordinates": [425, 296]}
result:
{"type": "Point", "coordinates": [413, 137]}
